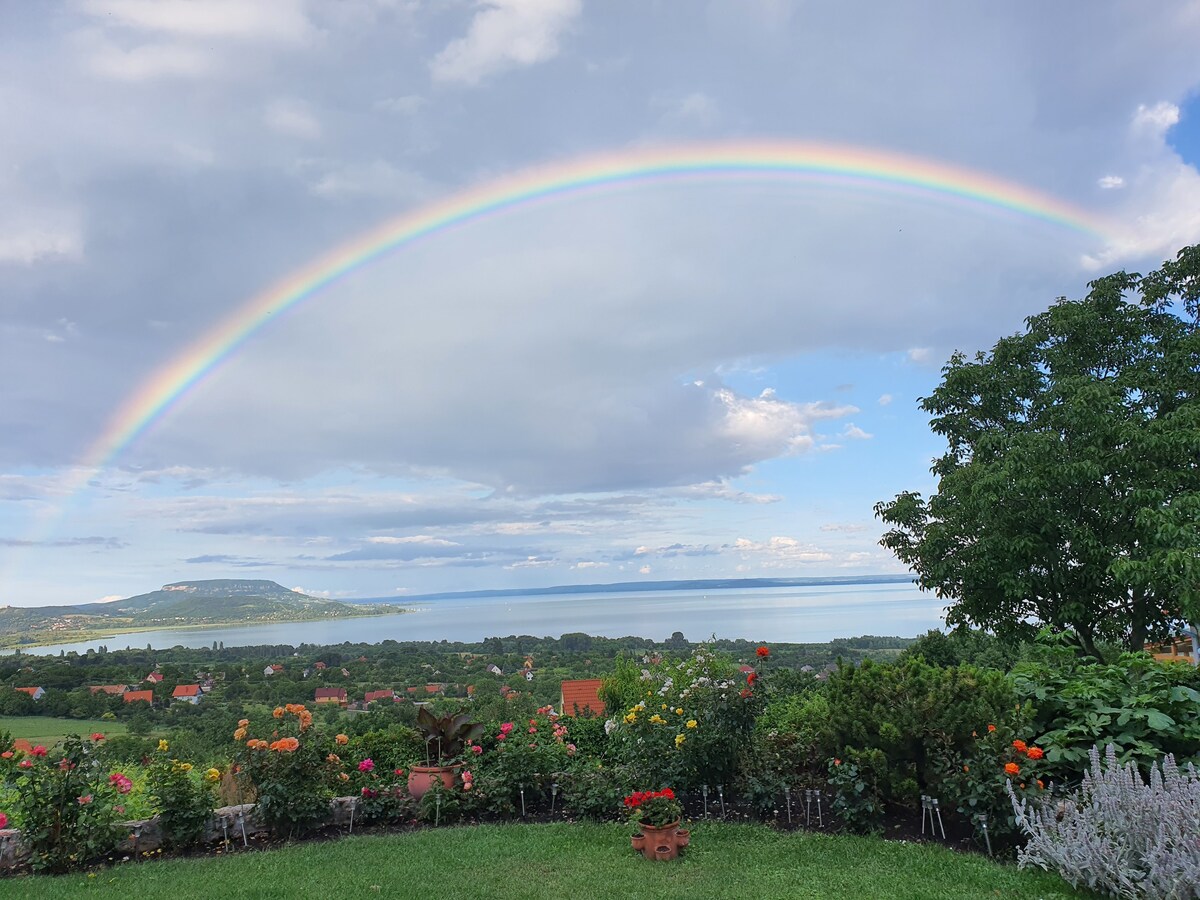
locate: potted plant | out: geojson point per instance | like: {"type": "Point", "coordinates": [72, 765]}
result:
{"type": "Point", "coordinates": [656, 815]}
{"type": "Point", "coordinates": [445, 739]}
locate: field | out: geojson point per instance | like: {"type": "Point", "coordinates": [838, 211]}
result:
{"type": "Point", "coordinates": [47, 730]}
{"type": "Point", "coordinates": [568, 860]}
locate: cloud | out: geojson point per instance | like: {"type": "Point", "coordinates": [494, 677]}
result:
{"type": "Point", "coordinates": [108, 543]}
{"type": "Point", "coordinates": [505, 34]}
{"type": "Point", "coordinates": [919, 355]}
{"type": "Point", "coordinates": [27, 246]}
{"type": "Point", "coordinates": [779, 552]}
{"type": "Point", "coordinates": [885, 399]}
{"type": "Point", "coordinates": [376, 178]}
{"type": "Point", "coordinates": [1155, 121]}
{"type": "Point", "coordinates": [844, 527]}
{"type": "Point", "coordinates": [644, 570]}
{"type": "Point", "coordinates": [292, 118]}
{"type": "Point", "coordinates": [261, 20]}
{"type": "Point", "coordinates": [1111, 182]}
{"type": "Point", "coordinates": [853, 432]}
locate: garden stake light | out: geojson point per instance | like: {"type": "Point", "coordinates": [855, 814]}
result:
{"type": "Point", "coordinates": [938, 811]}
{"type": "Point", "coordinates": [820, 818]}
{"type": "Point", "coordinates": [787, 796]}
{"type": "Point", "coordinates": [704, 795]}
{"type": "Point", "coordinates": [522, 801]}
{"type": "Point", "coordinates": [241, 821]}
{"type": "Point", "coordinates": [437, 811]}
{"type": "Point", "coordinates": [553, 795]}
{"type": "Point", "coordinates": [721, 794]}
{"type": "Point", "coordinates": [353, 807]}
{"type": "Point", "coordinates": [986, 839]}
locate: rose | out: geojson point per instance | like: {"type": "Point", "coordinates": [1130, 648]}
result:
{"type": "Point", "coordinates": [762, 652]}
{"type": "Point", "coordinates": [366, 765]}
{"type": "Point", "coordinates": [506, 728]}
{"type": "Point", "coordinates": [39, 750]}
{"type": "Point", "coordinates": [3, 820]}
{"type": "Point", "coordinates": [97, 736]}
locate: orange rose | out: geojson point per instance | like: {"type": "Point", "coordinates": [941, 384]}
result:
{"type": "Point", "coordinates": [991, 728]}
{"type": "Point", "coordinates": [1035, 753]}
{"type": "Point", "coordinates": [342, 739]}
{"type": "Point", "coordinates": [1012, 768]}
{"type": "Point", "coordinates": [1019, 746]}
{"type": "Point", "coordinates": [966, 768]}
{"type": "Point", "coordinates": [278, 712]}
{"type": "Point", "coordinates": [240, 734]}
{"type": "Point", "coordinates": [242, 723]}
{"type": "Point", "coordinates": [1039, 784]}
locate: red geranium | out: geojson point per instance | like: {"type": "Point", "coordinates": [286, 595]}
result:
{"type": "Point", "coordinates": [763, 652]}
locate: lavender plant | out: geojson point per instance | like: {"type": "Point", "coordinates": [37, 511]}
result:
{"type": "Point", "coordinates": [1119, 834]}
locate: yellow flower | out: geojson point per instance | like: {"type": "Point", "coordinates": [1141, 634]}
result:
{"type": "Point", "coordinates": [630, 718]}
{"type": "Point", "coordinates": [185, 767]}
{"type": "Point", "coordinates": [163, 746]}
{"type": "Point", "coordinates": [664, 706]}
{"type": "Point", "coordinates": [679, 739]}
{"type": "Point", "coordinates": [212, 775]}
{"type": "Point", "coordinates": [658, 720]}
{"type": "Point", "coordinates": [679, 711]}
{"type": "Point", "coordinates": [692, 723]}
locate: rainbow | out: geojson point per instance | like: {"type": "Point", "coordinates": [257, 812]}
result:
{"type": "Point", "coordinates": [848, 167]}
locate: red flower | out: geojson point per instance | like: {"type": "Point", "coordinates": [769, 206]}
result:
{"type": "Point", "coordinates": [1012, 768]}
{"type": "Point", "coordinates": [751, 678]}
{"type": "Point", "coordinates": [1019, 746]}
{"type": "Point", "coordinates": [39, 750]}
{"type": "Point", "coordinates": [991, 728]}
{"type": "Point", "coordinates": [1035, 753]}
{"type": "Point", "coordinates": [3, 820]}
{"type": "Point", "coordinates": [746, 693]}
{"type": "Point", "coordinates": [763, 652]}
{"type": "Point", "coordinates": [97, 737]}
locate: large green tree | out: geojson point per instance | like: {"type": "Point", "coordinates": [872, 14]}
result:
{"type": "Point", "coordinates": [1069, 490]}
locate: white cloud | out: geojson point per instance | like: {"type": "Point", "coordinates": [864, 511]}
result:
{"type": "Point", "coordinates": [293, 118]}
{"type": "Point", "coordinates": [266, 20]}
{"type": "Point", "coordinates": [146, 62]}
{"type": "Point", "coordinates": [696, 108]}
{"type": "Point", "coordinates": [853, 432]}
{"type": "Point", "coordinates": [505, 34]}
{"type": "Point", "coordinates": [27, 246]}
{"type": "Point", "coordinates": [1110, 182]}
{"type": "Point", "coordinates": [885, 399]}
{"type": "Point", "coordinates": [376, 179]}
{"type": "Point", "coordinates": [407, 105]}
{"type": "Point", "coordinates": [425, 539]}
{"type": "Point", "coordinates": [644, 570]}
{"type": "Point", "coordinates": [589, 564]}
{"type": "Point", "coordinates": [1155, 121]}
{"type": "Point", "coordinates": [919, 354]}
{"type": "Point", "coordinates": [781, 551]}
{"type": "Point", "coordinates": [111, 598]}
{"type": "Point", "coordinates": [844, 527]}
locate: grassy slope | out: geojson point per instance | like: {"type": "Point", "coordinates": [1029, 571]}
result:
{"type": "Point", "coordinates": [46, 729]}
{"type": "Point", "coordinates": [566, 861]}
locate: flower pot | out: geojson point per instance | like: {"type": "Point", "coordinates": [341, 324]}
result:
{"type": "Point", "coordinates": [639, 842]}
{"type": "Point", "coordinates": [655, 839]}
{"type": "Point", "coordinates": [683, 837]}
{"type": "Point", "coordinates": [421, 778]}
{"type": "Point", "coordinates": [665, 852]}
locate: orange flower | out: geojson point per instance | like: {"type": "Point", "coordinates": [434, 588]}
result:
{"type": "Point", "coordinates": [242, 723]}
{"type": "Point", "coordinates": [333, 758]}
{"type": "Point", "coordinates": [1012, 768]}
{"type": "Point", "coordinates": [342, 776]}
{"type": "Point", "coordinates": [1022, 785]}
{"type": "Point", "coordinates": [278, 712]}
{"type": "Point", "coordinates": [1019, 746]}
{"type": "Point", "coordinates": [837, 762]}
{"type": "Point", "coordinates": [1039, 784]}
{"type": "Point", "coordinates": [342, 739]}
{"type": "Point", "coordinates": [285, 745]}
{"type": "Point", "coordinates": [966, 768]}
{"type": "Point", "coordinates": [240, 734]}
{"type": "Point", "coordinates": [991, 728]}
{"type": "Point", "coordinates": [1035, 753]}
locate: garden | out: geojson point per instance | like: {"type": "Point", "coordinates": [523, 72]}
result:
{"type": "Point", "coordinates": [1075, 766]}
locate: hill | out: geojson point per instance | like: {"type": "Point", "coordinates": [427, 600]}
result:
{"type": "Point", "coordinates": [220, 601]}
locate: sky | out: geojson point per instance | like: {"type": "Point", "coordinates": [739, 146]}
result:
{"type": "Point", "coordinates": [708, 376]}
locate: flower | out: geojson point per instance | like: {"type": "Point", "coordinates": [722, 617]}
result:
{"type": "Point", "coordinates": [837, 762]}
{"type": "Point", "coordinates": [366, 765]}
{"type": "Point", "coordinates": [692, 723]}
{"type": "Point", "coordinates": [26, 764]}
{"type": "Point", "coordinates": [630, 718]}
{"type": "Point", "coordinates": [342, 739]}
{"type": "Point", "coordinates": [3, 820]}
{"type": "Point", "coordinates": [7, 754]}
{"type": "Point", "coordinates": [476, 749]}
{"type": "Point", "coordinates": [1019, 746]}
{"type": "Point", "coordinates": [39, 750]}
{"type": "Point", "coordinates": [751, 678]}
{"type": "Point", "coordinates": [120, 782]}
{"type": "Point", "coordinates": [762, 652]}
{"type": "Point", "coordinates": [679, 710]}
{"type": "Point", "coordinates": [658, 720]}
{"type": "Point", "coordinates": [286, 745]}
{"type": "Point", "coordinates": [506, 728]}
{"type": "Point", "coordinates": [277, 712]}
{"type": "Point", "coordinates": [163, 746]}
{"type": "Point", "coordinates": [97, 736]}
{"type": "Point", "coordinates": [240, 734]}
{"type": "Point", "coordinates": [501, 737]}
{"type": "Point", "coordinates": [333, 758]}
{"type": "Point", "coordinates": [679, 739]}
{"type": "Point", "coordinates": [84, 800]}
{"type": "Point", "coordinates": [1012, 768]}
{"type": "Point", "coordinates": [212, 775]}
{"type": "Point", "coordinates": [242, 723]}
{"type": "Point", "coordinates": [1035, 753]}
{"type": "Point", "coordinates": [533, 729]}
{"type": "Point", "coordinates": [185, 767]}
{"type": "Point", "coordinates": [1040, 784]}
{"type": "Point", "coordinates": [342, 776]}
{"type": "Point", "coordinates": [991, 728]}
{"type": "Point", "coordinates": [570, 749]}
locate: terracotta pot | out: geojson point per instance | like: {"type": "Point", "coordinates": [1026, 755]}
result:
{"type": "Point", "coordinates": [639, 842]}
{"type": "Point", "coordinates": [421, 778]}
{"type": "Point", "coordinates": [655, 839]}
{"type": "Point", "coordinates": [683, 837]}
{"type": "Point", "coordinates": [664, 852]}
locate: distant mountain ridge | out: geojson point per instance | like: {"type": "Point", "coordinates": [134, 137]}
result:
{"type": "Point", "coordinates": [220, 601]}
{"type": "Point", "coordinates": [625, 587]}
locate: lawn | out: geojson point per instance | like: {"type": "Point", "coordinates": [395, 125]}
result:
{"type": "Point", "coordinates": [527, 862]}
{"type": "Point", "coordinates": [47, 729]}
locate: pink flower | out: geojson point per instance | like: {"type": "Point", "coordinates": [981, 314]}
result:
{"type": "Point", "coordinates": [533, 729]}
{"type": "Point", "coordinates": [119, 810]}
{"type": "Point", "coordinates": [467, 786]}
{"type": "Point", "coordinates": [120, 782]}
{"type": "Point", "coordinates": [399, 772]}
{"type": "Point", "coordinates": [3, 820]}
{"type": "Point", "coordinates": [506, 728]}
{"type": "Point", "coordinates": [39, 750]}
{"type": "Point", "coordinates": [26, 764]}
{"type": "Point", "coordinates": [476, 749]}
{"type": "Point", "coordinates": [366, 765]}
{"type": "Point", "coordinates": [501, 737]}
{"type": "Point", "coordinates": [97, 736]}
{"type": "Point", "coordinates": [85, 799]}
{"type": "Point", "coordinates": [570, 749]}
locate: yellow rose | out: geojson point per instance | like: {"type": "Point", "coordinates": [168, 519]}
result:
{"type": "Point", "coordinates": [692, 723]}
{"type": "Point", "coordinates": [163, 746]}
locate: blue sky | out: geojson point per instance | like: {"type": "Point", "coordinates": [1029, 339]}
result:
{"type": "Point", "coordinates": [673, 381]}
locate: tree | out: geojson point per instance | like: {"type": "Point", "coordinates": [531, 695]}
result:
{"type": "Point", "coordinates": [1067, 494]}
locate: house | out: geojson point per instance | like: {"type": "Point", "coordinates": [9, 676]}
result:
{"type": "Point", "coordinates": [190, 693]}
{"type": "Point", "coordinates": [372, 696]}
{"type": "Point", "coordinates": [135, 696]}
{"type": "Point", "coordinates": [494, 669]}
{"type": "Point", "coordinates": [527, 674]}
{"type": "Point", "coordinates": [34, 692]}
{"type": "Point", "coordinates": [320, 667]}
{"type": "Point", "coordinates": [153, 677]}
{"type": "Point", "coordinates": [1178, 650]}
{"type": "Point", "coordinates": [272, 670]}
{"type": "Point", "coordinates": [435, 688]}
{"type": "Point", "coordinates": [581, 695]}
{"type": "Point", "coordinates": [331, 695]}
{"type": "Point", "coordinates": [345, 673]}
{"type": "Point", "coordinates": [113, 690]}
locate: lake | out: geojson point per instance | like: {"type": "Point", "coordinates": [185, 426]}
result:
{"type": "Point", "coordinates": [789, 615]}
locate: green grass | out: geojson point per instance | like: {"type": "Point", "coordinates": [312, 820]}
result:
{"type": "Point", "coordinates": [48, 730]}
{"type": "Point", "coordinates": [564, 861]}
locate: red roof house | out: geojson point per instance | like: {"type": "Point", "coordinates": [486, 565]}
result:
{"type": "Point", "coordinates": [331, 695]}
{"type": "Point", "coordinates": [34, 692]}
{"type": "Point", "coordinates": [135, 696]}
{"type": "Point", "coordinates": [372, 696]}
{"type": "Point", "coordinates": [111, 689]}
{"type": "Point", "coordinates": [583, 695]}
{"type": "Point", "coordinates": [153, 677]}
{"type": "Point", "coordinates": [187, 692]}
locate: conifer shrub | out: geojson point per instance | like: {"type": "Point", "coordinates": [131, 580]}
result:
{"type": "Point", "coordinates": [1118, 833]}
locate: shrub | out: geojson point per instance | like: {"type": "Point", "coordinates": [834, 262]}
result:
{"type": "Point", "coordinates": [859, 779]}
{"type": "Point", "coordinates": [515, 755]}
{"type": "Point", "coordinates": [67, 801]}
{"type": "Point", "coordinates": [181, 797]}
{"type": "Point", "coordinates": [594, 791]}
{"type": "Point", "coordinates": [1119, 834]}
{"type": "Point", "coordinates": [382, 792]}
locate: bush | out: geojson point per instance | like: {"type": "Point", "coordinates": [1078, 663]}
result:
{"type": "Point", "coordinates": [594, 791]}
{"type": "Point", "coordinates": [67, 801]}
{"type": "Point", "coordinates": [181, 798]}
{"type": "Point", "coordinates": [859, 779]}
{"type": "Point", "coordinates": [1119, 834]}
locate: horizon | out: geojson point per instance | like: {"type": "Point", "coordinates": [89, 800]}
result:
{"type": "Point", "coordinates": [365, 298]}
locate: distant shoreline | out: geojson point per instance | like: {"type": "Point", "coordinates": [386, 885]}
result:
{"type": "Point", "coordinates": [629, 587]}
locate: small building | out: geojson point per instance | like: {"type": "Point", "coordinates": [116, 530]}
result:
{"type": "Point", "coordinates": [113, 690]}
{"type": "Point", "coordinates": [189, 693]}
{"type": "Point", "coordinates": [154, 678]}
{"type": "Point", "coordinates": [331, 695]}
{"type": "Point", "coordinates": [580, 696]}
{"type": "Point", "coordinates": [272, 670]}
{"type": "Point", "coordinates": [494, 669]}
{"type": "Point", "coordinates": [1178, 650]}
{"type": "Point", "coordinates": [372, 696]}
{"type": "Point", "coordinates": [35, 692]}
{"type": "Point", "coordinates": [320, 667]}
{"type": "Point", "coordinates": [435, 689]}
{"type": "Point", "coordinates": [139, 696]}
